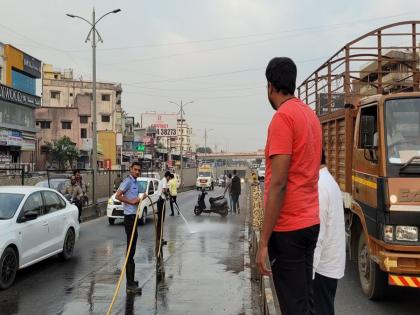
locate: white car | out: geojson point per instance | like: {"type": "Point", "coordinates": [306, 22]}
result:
{"type": "Point", "coordinates": [147, 185]}
{"type": "Point", "coordinates": [261, 173]}
{"type": "Point", "coordinates": [35, 223]}
{"type": "Point", "coordinates": [154, 175]}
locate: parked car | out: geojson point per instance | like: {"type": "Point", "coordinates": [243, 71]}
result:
{"type": "Point", "coordinates": [35, 223]}
{"type": "Point", "coordinates": [261, 173]}
{"type": "Point", "coordinates": [145, 185]}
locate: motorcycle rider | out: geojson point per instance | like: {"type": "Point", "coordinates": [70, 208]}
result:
{"type": "Point", "coordinates": [76, 193]}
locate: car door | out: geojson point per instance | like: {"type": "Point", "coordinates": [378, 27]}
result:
{"type": "Point", "coordinates": [34, 233]}
{"type": "Point", "coordinates": [56, 216]}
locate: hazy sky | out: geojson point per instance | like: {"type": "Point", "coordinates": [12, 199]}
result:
{"type": "Point", "coordinates": [213, 52]}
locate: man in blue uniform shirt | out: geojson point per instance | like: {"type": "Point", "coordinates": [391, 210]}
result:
{"type": "Point", "coordinates": [128, 194]}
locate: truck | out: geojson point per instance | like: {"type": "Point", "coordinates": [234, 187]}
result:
{"type": "Point", "coordinates": [206, 177]}
{"type": "Point", "coordinates": [368, 101]}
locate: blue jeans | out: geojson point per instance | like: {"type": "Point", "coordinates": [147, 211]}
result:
{"type": "Point", "coordinates": [235, 200]}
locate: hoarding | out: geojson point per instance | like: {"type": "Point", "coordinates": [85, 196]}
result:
{"type": "Point", "coordinates": [165, 124]}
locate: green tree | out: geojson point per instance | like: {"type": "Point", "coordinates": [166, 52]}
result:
{"type": "Point", "coordinates": [63, 152]}
{"type": "Point", "coordinates": [203, 150]}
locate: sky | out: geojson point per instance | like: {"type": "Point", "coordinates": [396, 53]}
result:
{"type": "Point", "coordinates": [212, 52]}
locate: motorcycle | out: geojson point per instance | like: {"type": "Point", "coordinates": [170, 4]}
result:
{"type": "Point", "coordinates": [217, 205]}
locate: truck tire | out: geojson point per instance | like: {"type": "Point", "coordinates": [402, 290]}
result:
{"type": "Point", "coordinates": [373, 280]}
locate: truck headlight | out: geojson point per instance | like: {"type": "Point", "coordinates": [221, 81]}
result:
{"type": "Point", "coordinates": [388, 233]}
{"type": "Point", "coordinates": [406, 233]}
{"type": "Point", "coordinates": [110, 201]}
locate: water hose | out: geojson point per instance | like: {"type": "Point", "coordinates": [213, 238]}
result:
{"type": "Point", "coordinates": [117, 289]}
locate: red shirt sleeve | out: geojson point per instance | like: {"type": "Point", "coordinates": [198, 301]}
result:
{"type": "Point", "coordinates": [280, 135]}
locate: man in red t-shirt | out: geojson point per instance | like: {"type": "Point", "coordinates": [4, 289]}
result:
{"type": "Point", "coordinates": [291, 219]}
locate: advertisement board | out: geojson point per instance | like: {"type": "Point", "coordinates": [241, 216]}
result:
{"type": "Point", "coordinates": [165, 124]}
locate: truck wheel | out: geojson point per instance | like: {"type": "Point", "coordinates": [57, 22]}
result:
{"type": "Point", "coordinates": [373, 280]}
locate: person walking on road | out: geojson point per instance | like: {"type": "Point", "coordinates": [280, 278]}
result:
{"type": "Point", "coordinates": [235, 191]}
{"type": "Point", "coordinates": [128, 194]}
{"type": "Point", "coordinates": [330, 251]}
{"type": "Point", "coordinates": [291, 219]}
{"type": "Point", "coordinates": [173, 192]}
{"type": "Point", "coordinates": [76, 193]}
{"type": "Point", "coordinates": [227, 189]}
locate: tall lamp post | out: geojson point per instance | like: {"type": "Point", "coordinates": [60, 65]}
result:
{"type": "Point", "coordinates": [181, 147]}
{"type": "Point", "coordinates": [93, 31]}
{"type": "Point", "coordinates": [206, 131]}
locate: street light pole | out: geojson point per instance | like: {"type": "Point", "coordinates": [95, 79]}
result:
{"type": "Point", "coordinates": [94, 32]}
{"type": "Point", "coordinates": [205, 140]}
{"type": "Point", "coordinates": [181, 110]}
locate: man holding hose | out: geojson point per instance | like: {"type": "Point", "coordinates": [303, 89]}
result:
{"type": "Point", "coordinates": [128, 194]}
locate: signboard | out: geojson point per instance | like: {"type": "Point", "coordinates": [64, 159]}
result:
{"type": "Point", "coordinates": [28, 145]}
{"type": "Point", "coordinates": [86, 144]}
{"type": "Point", "coordinates": [32, 65]}
{"type": "Point", "coordinates": [11, 138]}
{"type": "Point", "coordinates": [165, 124]}
{"type": "Point", "coordinates": [15, 96]}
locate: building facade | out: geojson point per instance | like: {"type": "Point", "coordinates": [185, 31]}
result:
{"type": "Point", "coordinates": [62, 91]}
{"type": "Point", "coordinates": [19, 73]}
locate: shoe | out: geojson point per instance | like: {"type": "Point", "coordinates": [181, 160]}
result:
{"type": "Point", "coordinates": [132, 289]}
{"type": "Point", "coordinates": [178, 212]}
{"type": "Point", "coordinates": [171, 215]}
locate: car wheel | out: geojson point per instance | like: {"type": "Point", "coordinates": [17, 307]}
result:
{"type": "Point", "coordinates": [111, 221]}
{"type": "Point", "coordinates": [143, 218]}
{"type": "Point", "coordinates": [8, 268]}
{"type": "Point", "coordinates": [68, 246]}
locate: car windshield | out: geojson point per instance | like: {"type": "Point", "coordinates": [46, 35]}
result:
{"type": "Point", "coordinates": [142, 185]}
{"type": "Point", "coordinates": [9, 203]}
{"type": "Point", "coordinates": [204, 174]}
{"type": "Point", "coordinates": [57, 184]}
{"type": "Point", "coordinates": [402, 118]}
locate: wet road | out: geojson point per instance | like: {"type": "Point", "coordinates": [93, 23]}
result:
{"type": "Point", "coordinates": [204, 270]}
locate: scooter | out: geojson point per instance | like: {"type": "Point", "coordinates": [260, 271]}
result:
{"type": "Point", "coordinates": [217, 205]}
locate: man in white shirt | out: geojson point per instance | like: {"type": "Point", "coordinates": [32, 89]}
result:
{"type": "Point", "coordinates": [330, 251]}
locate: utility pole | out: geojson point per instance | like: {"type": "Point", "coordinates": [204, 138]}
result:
{"type": "Point", "coordinates": [94, 32]}
{"type": "Point", "coordinates": [181, 147]}
{"type": "Point", "coordinates": [205, 140]}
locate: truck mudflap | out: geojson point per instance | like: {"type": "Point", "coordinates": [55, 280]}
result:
{"type": "Point", "coordinates": [404, 281]}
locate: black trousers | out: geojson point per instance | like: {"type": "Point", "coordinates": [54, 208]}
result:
{"type": "Point", "coordinates": [324, 294]}
{"type": "Point", "coordinates": [291, 257]}
{"type": "Point", "coordinates": [128, 225]}
{"type": "Point", "coordinates": [161, 218]}
{"type": "Point", "coordinates": [78, 203]}
{"type": "Point", "coordinates": [172, 201]}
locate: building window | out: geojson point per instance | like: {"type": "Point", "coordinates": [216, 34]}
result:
{"type": "Point", "coordinates": [23, 82]}
{"type": "Point", "coordinates": [105, 118]}
{"type": "Point", "coordinates": [66, 124]}
{"type": "Point", "coordinates": [83, 133]}
{"type": "Point", "coordinates": [71, 94]}
{"type": "Point", "coordinates": [55, 95]}
{"type": "Point", "coordinates": [106, 97]}
{"type": "Point", "coordinates": [83, 119]}
{"type": "Point", "coordinates": [44, 124]}
{"type": "Point", "coordinates": [55, 76]}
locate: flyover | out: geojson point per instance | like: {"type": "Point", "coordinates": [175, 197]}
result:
{"type": "Point", "coordinates": [231, 155]}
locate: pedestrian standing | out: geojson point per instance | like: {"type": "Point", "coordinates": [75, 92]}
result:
{"type": "Point", "coordinates": [82, 185]}
{"type": "Point", "coordinates": [163, 194]}
{"type": "Point", "coordinates": [330, 251]}
{"type": "Point", "coordinates": [76, 194]}
{"type": "Point", "coordinates": [128, 194]}
{"type": "Point", "coordinates": [173, 192]}
{"type": "Point", "coordinates": [227, 189]}
{"type": "Point", "coordinates": [291, 218]}
{"type": "Point", "coordinates": [235, 191]}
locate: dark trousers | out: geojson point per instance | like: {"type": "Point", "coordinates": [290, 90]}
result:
{"type": "Point", "coordinates": [79, 205]}
{"type": "Point", "coordinates": [161, 219]}
{"type": "Point", "coordinates": [128, 225]}
{"type": "Point", "coordinates": [235, 202]}
{"type": "Point", "coordinates": [291, 257]}
{"type": "Point", "coordinates": [324, 294]}
{"type": "Point", "coordinates": [172, 201]}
